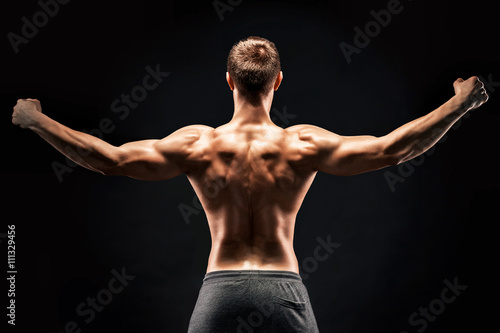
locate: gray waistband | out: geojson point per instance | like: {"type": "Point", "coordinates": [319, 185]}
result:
{"type": "Point", "coordinates": [252, 274]}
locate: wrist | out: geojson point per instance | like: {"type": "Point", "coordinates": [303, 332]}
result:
{"type": "Point", "coordinates": [459, 104]}
{"type": "Point", "coordinates": [36, 121]}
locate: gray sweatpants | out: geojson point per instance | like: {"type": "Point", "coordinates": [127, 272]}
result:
{"type": "Point", "coordinates": [252, 301]}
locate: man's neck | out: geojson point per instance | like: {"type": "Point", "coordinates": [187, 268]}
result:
{"type": "Point", "coordinates": [248, 113]}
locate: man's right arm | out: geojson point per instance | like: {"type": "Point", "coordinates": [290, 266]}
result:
{"type": "Point", "coordinates": [350, 155]}
{"type": "Point", "coordinates": [146, 159]}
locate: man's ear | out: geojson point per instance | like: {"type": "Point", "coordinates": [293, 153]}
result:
{"type": "Point", "coordinates": [278, 81]}
{"type": "Point", "coordinates": [229, 81]}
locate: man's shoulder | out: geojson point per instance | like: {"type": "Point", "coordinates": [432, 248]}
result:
{"type": "Point", "coordinates": [305, 132]}
{"type": "Point", "coordinates": [184, 138]}
{"type": "Point", "coordinates": [313, 136]}
{"type": "Point", "coordinates": [195, 129]}
{"type": "Point", "coordinates": [192, 133]}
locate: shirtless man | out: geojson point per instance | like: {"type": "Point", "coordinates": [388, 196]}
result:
{"type": "Point", "coordinates": [265, 171]}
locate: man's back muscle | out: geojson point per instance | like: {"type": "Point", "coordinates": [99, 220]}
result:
{"type": "Point", "coordinates": [251, 180]}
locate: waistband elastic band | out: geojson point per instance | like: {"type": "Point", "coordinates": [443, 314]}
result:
{"type": "Point", "coordinates": [252, 274]}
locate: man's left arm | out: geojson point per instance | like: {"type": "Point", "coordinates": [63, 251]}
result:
{"type": "Point", "coordinates": [350, 155]}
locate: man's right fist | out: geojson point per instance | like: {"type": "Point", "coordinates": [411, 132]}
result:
{"type": "Point", "coordinates": [25, 112]}
{"type": "Point", "coordinates": [470, 92]}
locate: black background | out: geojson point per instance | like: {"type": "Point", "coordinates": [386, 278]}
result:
{"type": "Point", "coordinates": [397, 246]}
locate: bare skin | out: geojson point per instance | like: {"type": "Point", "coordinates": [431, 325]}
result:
{"type": "Point", "coordinates": [250, 175]}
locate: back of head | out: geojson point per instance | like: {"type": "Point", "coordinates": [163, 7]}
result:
{"type": "Point", "coordinates": [254, 65]}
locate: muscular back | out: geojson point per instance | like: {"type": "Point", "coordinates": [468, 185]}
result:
{"type": "Point", "coordinates": [251, 181]}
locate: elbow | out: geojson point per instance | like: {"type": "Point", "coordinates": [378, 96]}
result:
{"type": "Point", "coordinates": [107, 172]}
{"type": "Point", "coordinates": [393, 159]}
{"type": "Point", "coordinates": [393, 154]}
{"type": "Point", "coordinates": [399, 157]}
{"type": "Point", "coordinates": [111, 164]}
{"type": "Point", "coordinates": [111, 169]}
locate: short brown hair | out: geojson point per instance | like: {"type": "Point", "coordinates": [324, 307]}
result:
{"type": "Point", "coordinates": [253, 64]}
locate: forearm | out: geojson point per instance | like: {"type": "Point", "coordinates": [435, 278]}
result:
{"type": "Point", "coordinates": [84, 149]}
{"type": "Point", "coordinates": [419, 135]}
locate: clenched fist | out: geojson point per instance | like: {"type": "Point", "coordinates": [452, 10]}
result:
{"type": "Point", "coordinates": [25, 112]}
{"type": "Point", "coordinates": [471, 92]}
